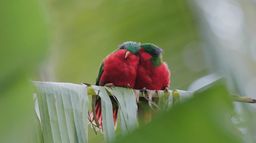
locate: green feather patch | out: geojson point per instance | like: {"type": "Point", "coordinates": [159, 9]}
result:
{"type": "Point", "coordinates": [99, 74]}
{"type": "Point", "coordinates": [154, 51]}
{"type": "Point", "coordinates": [131, 46]}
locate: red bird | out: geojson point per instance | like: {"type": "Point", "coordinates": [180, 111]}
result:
{"type": "Point", "coordinates": [152, 72]}
{"type": "Point", "coordinates": [118, 69]}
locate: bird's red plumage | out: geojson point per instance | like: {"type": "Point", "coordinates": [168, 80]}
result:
{"type": "Point", "coordinates": [135, 71]}
{"type": "Point", "coordinates": [150, 76]}
{"type": "Point", "coordinates": [118, 70]}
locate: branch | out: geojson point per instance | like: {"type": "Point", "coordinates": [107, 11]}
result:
{"type": "Point", "coordinates": [243, 99]}
{"type": "Point", "coordinates": [180, 93]}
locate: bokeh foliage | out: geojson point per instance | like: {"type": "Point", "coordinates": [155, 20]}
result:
{"type": "Point", "coordinates": [86, 31]}
{"type": "Point", "coordinates": [205, 118]}
{"type": "Point", "coordinates": [83, 32]}
{"type": "Point", "coordinates": [23, 40]}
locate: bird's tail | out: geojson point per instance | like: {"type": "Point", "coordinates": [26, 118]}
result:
{"type": "Point", "coordinates": [95, 117]}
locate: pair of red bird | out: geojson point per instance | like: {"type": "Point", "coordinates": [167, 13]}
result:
{"type": "Point", "coordinates": [133, 65]}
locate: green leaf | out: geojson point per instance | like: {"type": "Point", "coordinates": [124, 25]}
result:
{"type": "Point", "coordinates": [63, 109]}
{"type": "Point", "coordinates": [23, 39]}
{"type": "Point", "coordinates": [107, 114]}
{"type": "Point", "coordinates": [205, 118]}
{"type": "Point", "coordinates": [127, 108]}
{"type": "Point", "coordinates": [23, 44]}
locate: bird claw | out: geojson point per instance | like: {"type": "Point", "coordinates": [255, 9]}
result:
{"type": "Point", "coordinates": [137, 95]}
{"type": "Point", "coordinates": [143, 90]}
{"type": "Point", "coordinates": [157, 92]}
{"type": "Point", "coordinates": [166, 89]}
{"type": "Point", "coordinates": [150, 95]}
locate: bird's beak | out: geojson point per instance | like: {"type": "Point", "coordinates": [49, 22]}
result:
{"type": "Point", "coordinates": [127, 53]}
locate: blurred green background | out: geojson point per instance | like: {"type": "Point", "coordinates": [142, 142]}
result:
{"type": "Point", "coordinates": [84, 32]}
{"type": "Point", "coordinates": [65, 40]}
{"type": "Point", "coordinates": [23, 46]}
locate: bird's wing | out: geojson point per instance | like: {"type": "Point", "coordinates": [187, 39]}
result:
{"type": "Point", "coordinates": [99, 74]}
{"type": "Point", "coordinates": [95, 99]}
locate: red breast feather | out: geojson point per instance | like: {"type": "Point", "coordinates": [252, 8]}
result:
{"type": "Point", "coordinates": [118, 70]}
{"type": "Point", "coordinates": [150, 76]}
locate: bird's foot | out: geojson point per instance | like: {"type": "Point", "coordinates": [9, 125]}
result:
{"type": "Point", "coordinates": [166, 89]}
{"type": "Point", "coordinates": [137, 95]}
{"type": "Point", "coordinates": [151, 103]}
{"type": "Point", "coordinates": [143, 90]}
{"type": "Point", "coordinates": [157, 92]}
